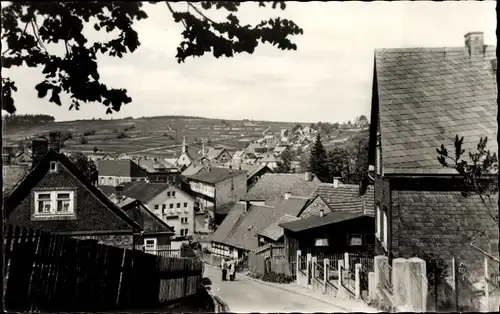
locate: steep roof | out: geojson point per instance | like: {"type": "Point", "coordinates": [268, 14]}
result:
{"type": "Point", "coordinates": [96, 217]}
{"type": "Point", "coordinates": [240, 228]}
{"type": "Point", "coordinates": [274, 231]}
{"type": "Point", "coordinates": [215, 175]}
{"type": "Point", "coordinates": [345, 197]}
{"type": "Point", "coordinates": [254, 169]}
{"type": "Point", "coordinates": [272, 186]}
{"type": "Point", "coordinates": [192, 169]}
{"type": "Point", "coordinates": [152, 166]}
{"type": "Point", "coordinates": [443, 223]}
{"type": "Point", "coordinates": [149, 222]}
{"type": "Point", "coordinates": [143, 191]}
{"type": "Point", "coordinates": [426, 97]}
{"type": "Point", "coordinates": [120, 167]}
{"type": "Point", "coordinates": [315, 221]}
{"type": "Point", "coordinates": [11, 175]}
{"type": "Point", "coordinates": [215, 152]}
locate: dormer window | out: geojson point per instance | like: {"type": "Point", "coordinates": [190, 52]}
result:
{"type": "Point", "coordinates": [53, 166]}
{"type": "Point", "coordinates": [54, 203]}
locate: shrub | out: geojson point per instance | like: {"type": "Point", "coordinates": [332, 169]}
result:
{"type": "Point", "coordinates": [122, 135]}
{"type": "Point", "coordinates": [277, 278]}
{"type": "Point", "coordinates": [89, 133]}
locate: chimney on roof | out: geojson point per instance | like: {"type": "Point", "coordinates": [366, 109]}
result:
{"type": "Point", "coordinates": [336, 182]}
{"type": "Point", "coordinates": [474, 41]}
{"type": "Point", "coordinates": [321, 212]}
{"type": "Point", "coordinates": [55, 141]}
{"type": "Point", "coordinates": [308, 176]}
{"type": "Point", "coordinates": [40, 147]}
{"type": "Point", "coordinates": [287, 195]}
{"type": "Point", "coordinates": [118, 192]}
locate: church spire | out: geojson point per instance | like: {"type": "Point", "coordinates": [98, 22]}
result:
{"type": "Point", "coordinates": [184, 145]}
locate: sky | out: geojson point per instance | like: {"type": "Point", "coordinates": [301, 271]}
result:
{"type": "Point", "coordinates": [328, 78]}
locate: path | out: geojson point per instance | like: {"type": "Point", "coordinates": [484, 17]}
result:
{"type": "Point", "coordinates": [247, 295]}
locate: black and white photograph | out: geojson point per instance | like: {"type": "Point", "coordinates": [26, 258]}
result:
{"type": "Point", "coordinates": [250, 157]}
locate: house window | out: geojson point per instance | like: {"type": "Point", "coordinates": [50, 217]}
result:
{"type": "Point", "coordinates": [168, 194]}
{"type": "Point", "coordinates": [157, 207]}
{"type": "Point", "coordinates": [117, 181]}
{"type": "Point", "coordinates": [57, 203]}
{"type": "Point", "coordinates": [173, 193]}
{"type": "Point", "coordinates": [354, 239]}
{"type": "Point", "coordinates": [385, 229]}
{"type": "Point", "coordinates": [178, 205]}
{"type": "Point", "coordinates": [184, 220]}
{"type": "Point", "coordinates": [378, 227]}
{"type": "Point", "coordinates": [53, 166]}
{"type": "Point", "coordinates": [378, 159]}
{"type": "Point", "coordinates": [185, 204]}
{"type": "Point", "coordinates": [150, 244]}
{"type": "Point", "coordinates": [103, 180]}
{"type": "Point", "coordinates": [321, 242]}
{"type": "Point", "coordinates": [171, 206]}
{"type": "Point", "coordinates": [164, 206]}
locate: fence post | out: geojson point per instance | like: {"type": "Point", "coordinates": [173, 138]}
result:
{"type": "Point", "coordinates": [371, 287]}
{"type": "Point", "coordinates": [297, 266]}
{"type": "Point", "coordinates": [346, 261]}
{"type": "Point", "coordinates": [454, 281]}
{"type": "Point", "coordinates": [326, 271]}
{"type": "Point", "coordinates": [357, 283]}
{"type": "Point", "coordinates": [486, 284]}
{"type": "Point", "coordinates": [314, 261]}
{"type": "Point", "coordinates": [341, 265]}
{"type": "Point", "coordinates": [309, 259]}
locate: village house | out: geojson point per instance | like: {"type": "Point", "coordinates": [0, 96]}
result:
{"type": "Point", "coordinates": [271, 187]}
{"type": "Point", "coordinates": [255, 172]}
{"type": "Point", "coordinates": [167, 201]}
{"type": "Point", "coordinates": [423, 98]}
{"type": "Point", "coordinates": [218, 155]}
{"type": "Point", "coordinates": [156, 234]}
{"type": "Point", "coordinates": [22, 157]}
{"type": "Point", "coordinates": [248, 226]}
{"type": "Point", "coordinates": [338, 219]}
{"type": "Point", "coordinates": [113, 172]}
{"type": "Point", "coordinates": [54, 196]}
{"type": "Point", "coordinates": [278, 151]}
{"type": "Point", "coordinates": [268, 159]}
{"type": "Point", "coordinates": [159, 171]}
{"type": "Point", "coordinates": [214, 187]}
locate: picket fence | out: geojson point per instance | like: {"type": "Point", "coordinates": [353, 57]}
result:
{"type": "Point", "coordinates": [47, 272]}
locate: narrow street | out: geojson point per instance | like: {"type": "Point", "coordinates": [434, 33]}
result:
{"type": "Point", "coordinates": [246, 295]}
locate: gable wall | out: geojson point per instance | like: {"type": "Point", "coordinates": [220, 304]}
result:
{"type": "Point", "coordinates": [314, 208]}
{"type": "Point", "coordinates": [91, 214]}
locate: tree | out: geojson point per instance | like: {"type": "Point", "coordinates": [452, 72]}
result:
{"type": "Point", "coordinates": [86, 166]}
{"type": "Point", "coordinates": [479, 177]}
{"type": "Point", "coordinates": [285, 165]}
{"type": "Point", "coordinates": [338, 163]}
{"type": "Point", "coordinates": [318, 161]}
{"type": "Point", "coordinates": [96, 149]}
{"type": "Point", "coordinates": [29, 27]}
{"type": "Point", "coordinates": [296, 127]}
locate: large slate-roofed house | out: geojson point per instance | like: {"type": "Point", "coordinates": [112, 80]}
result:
{"type": "Point", "coordinates": [422, 98]}
{"type": "Point", "coordinates": [54, 196]}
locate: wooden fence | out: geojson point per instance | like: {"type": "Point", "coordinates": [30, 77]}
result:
{"type": "Point", "coordinates": [259, 265]}
{"type": "Point", "coordinates": [271, 250]}
{"type": "Point", "coordinates": [46, 272]}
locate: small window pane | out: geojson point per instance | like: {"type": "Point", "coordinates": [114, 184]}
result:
{"type": "Point", "coordinates": [63, 195]}
{"type": "Point", "coordinates": [178, 205]}
{"type": "Point", "coordinates": [185, 204]}
{"type": "Point", "coordinates": [171, 205]}
{"type": "Point", "coordinates": [44, 196]}
{"type": "Point", "coordinates": [173, 193]}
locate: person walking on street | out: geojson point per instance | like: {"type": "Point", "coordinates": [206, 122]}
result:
{"type": "Point", "coordinates": [232, 270]}
{"type": "Point", "coordinates": [224, 269]}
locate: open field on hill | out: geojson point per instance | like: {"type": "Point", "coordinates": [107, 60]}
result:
{"type": "Point", "coordinates": [157, 135]}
